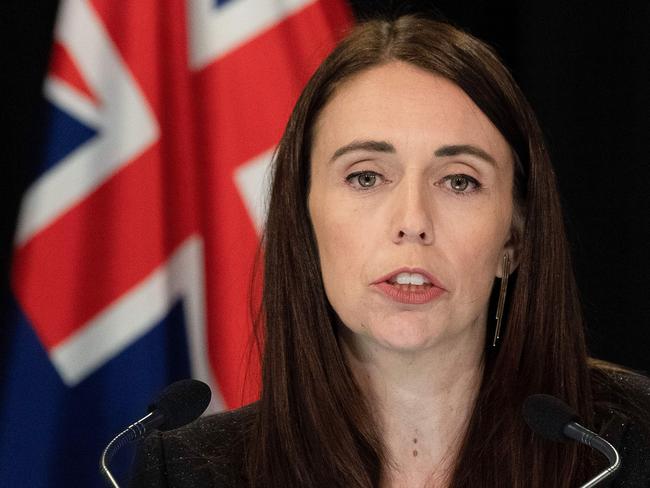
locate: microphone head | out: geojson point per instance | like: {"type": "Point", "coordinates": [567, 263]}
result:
{"type": "Point", "coordinates": [181, 403]}
{"type": "Point", "coordinates": [548, 416]}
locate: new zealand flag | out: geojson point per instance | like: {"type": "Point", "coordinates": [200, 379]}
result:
{"type": "Point", "coordinates": [137, 238]}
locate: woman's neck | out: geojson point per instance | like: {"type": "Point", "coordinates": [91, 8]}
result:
{"type": "Point", "coordinates": [422, 402]}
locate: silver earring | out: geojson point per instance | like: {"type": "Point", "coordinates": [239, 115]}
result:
{"type": "Point", "coordinates": [502, 297]}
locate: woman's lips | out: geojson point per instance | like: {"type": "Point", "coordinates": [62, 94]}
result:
{"type": "Point", "coordinates": [410, 294]}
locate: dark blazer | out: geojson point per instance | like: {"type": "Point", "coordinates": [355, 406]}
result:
{"type": "Point", "coordinates": [206, 453]}
{"type": "Point", "coordinates": [210, 451]}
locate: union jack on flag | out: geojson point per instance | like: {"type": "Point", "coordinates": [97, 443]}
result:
{"type": "Point", "coordinates": [137, 238]}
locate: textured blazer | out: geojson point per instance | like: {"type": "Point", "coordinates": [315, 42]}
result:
{"type": "Point", "coordinates": [210, 451]}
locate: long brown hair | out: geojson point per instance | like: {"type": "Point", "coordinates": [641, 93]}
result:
{"type": "Point", "coordinates": [313, 426]}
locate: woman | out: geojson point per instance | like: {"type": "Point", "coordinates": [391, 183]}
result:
{"type": "Point", "coordinates": [413, 201]}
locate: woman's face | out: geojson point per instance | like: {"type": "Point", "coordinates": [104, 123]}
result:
{"type": "Point", "coordinates": [411, 204]}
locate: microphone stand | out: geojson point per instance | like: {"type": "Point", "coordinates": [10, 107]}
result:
{"type": "Point", "coordinates": [133, 432]}
{"type": "Point", "coordinates": [583, 435]}
{"type": "Point", "coordinates": [179, 404]}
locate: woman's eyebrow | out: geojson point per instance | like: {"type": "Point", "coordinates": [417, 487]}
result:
{"type": "Point", "coordinates": [369, 145]}
{"type": "Point", "coordinates": [387, 147]}
{"type": "Point", "coordinates": [457, 149]}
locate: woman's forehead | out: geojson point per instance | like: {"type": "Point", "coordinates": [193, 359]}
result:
{"type": "Point", "coordinates": [400, 102]}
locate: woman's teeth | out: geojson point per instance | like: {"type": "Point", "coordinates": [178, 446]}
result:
{"type": "Point", "coordinates": [410, 279]}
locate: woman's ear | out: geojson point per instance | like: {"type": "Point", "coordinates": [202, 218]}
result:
{"type": "Point", "coordinates": [506, 267]}
{"type": "Point", "coordinates": [512, 245]}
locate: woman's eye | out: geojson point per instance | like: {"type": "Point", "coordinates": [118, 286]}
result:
{"type": "Point", "coordinates": [462, 183]}
{"type": "Point", "coordinates": [363, 179]}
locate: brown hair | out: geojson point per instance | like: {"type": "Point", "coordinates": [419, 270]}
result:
{"type": "Point", "coordinates": [313, 426]}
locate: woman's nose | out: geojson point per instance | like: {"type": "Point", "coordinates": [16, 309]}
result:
{"type": "Point", "coordinates": [412, 216]}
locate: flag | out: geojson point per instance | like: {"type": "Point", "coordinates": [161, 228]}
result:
{"type": "Point", "coordinates": [136, 239]}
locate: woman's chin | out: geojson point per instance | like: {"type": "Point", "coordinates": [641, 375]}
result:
{"type": "Point", "coordinates": [410, 343]}
{"type": "Point", "coordinates": [397, 335]}
{"type": "Point", "coordinates": [406, 338]}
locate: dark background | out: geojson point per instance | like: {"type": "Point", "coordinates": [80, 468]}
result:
{"type": "Point", "coordinates": [585, 67]}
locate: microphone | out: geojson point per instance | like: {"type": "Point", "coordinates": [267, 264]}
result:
{"type": "Point", "coordinates": [553, 419]}
{"type": "Point", "coordinates": [179, 404]}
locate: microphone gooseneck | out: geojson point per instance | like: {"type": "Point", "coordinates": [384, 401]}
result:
{"type": "Point", "coordinates": [555, 420]}
{"type": "Point", "coordinates": [179, 404]}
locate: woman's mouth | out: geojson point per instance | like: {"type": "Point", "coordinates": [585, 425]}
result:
{"type": "Point", "coordinates": [410, 287]}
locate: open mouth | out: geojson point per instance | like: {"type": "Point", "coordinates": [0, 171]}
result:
{"type": "Point", "coordinates": [410, 288]}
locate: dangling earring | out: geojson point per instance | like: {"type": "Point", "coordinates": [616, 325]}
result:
{"type": "Point", "coordinates": [502, 297]}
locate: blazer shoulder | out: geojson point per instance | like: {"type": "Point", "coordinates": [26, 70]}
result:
{"type": "Point", "coordinates": [622, 402]}
{"type": "Point", "coordinates": [619, 388]}
{"type": "Point", "coordinates": [207, 452]}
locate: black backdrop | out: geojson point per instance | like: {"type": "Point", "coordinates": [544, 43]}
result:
{"type": "Point", "coordinates": [585, 67]}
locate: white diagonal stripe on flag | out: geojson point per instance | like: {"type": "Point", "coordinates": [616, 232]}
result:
{"type": "Point", "coordinates": [215, 31]}
{"type": "Point", "coordinates": [68, 98]}
{"type": "Point", "coordinates": [253, 182]}
{"type": "Point", "coordinates": [127, 126]}
{"type": "Point", "coordinates": [137, 312]}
